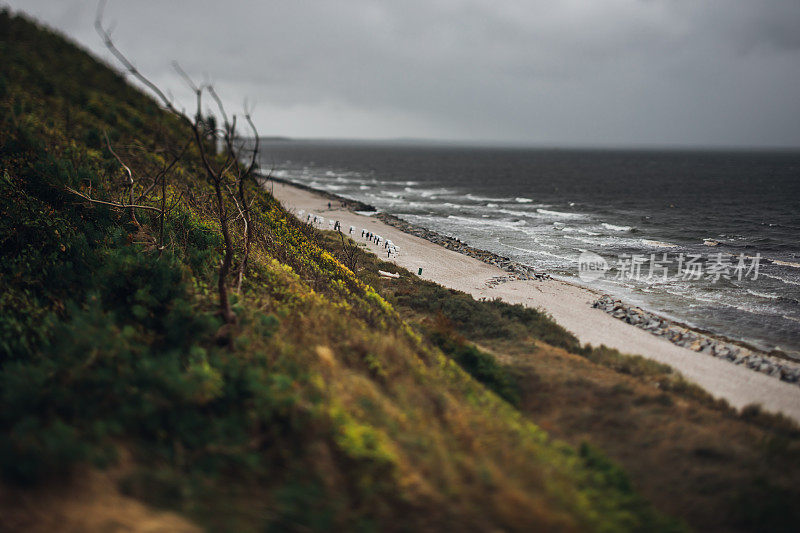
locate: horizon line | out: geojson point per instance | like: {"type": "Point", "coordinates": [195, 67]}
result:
{"type": "Point", "coordinates": [488, 143]}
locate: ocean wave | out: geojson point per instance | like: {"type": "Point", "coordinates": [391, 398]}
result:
{"type": "Point", "coordinates": [522, 200]}
{"type": "Point", "coordinates": [723, 300]}
{"type": "Point", "coordinates": [378, 200]}
{"type": "Point", "coordinates": [784, 280]}
{"type": "Point", "coordinates": [526, 250]}
{"type": "Point", "coordinates": [785, 263]}
{"type": "Point", "coordinates": [584, 240]}
{"type": "Point", "coordinates": [430, 193]}
{"type": "Point", "coordinates": [407, 183]}
{"type": "Point", "coordinates": [558, 213]}
{"type": "Point", "coordinates": [567, 260]}
{"type": "Point", "coordinates": [763, 295]}
{"type": "Point", "coordinates": [512, 212]}
{"type": "Point", "coordinates": [476, 198]}
{"type": "Point", "coordinates": [658, 244]}
{"type": "Point", "coordinates": [570, 229]}
{"type": "Point", "coordinates": [614, 227]}
{"type": "Point", "coordinates": [488, 221]}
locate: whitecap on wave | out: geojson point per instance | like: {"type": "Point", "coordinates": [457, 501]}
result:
{"type": "Point", "coordinates": [558, 213]}
{"type": "Point", "coordinates": [476, 198]}
{"type": "Point", "coordinates": [614, 227]}
{"type": "Point", "coordinates": [785, 263]}
{"type": "Point", "coordinates": [658, 244]}
{"type": "Point", "coordinates": [407, 183]}
{"type": "Point", "coordinates": [429, 193]}
{"type": "Point", "coordinates": [488, 221]}
{"type": "Point", "coordinates": [763, 295]}
{"type": "Point", "coordinates": [570, 229]}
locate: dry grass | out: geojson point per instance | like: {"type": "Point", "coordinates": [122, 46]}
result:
{"type": "Point", "coordinates": [716, 470]}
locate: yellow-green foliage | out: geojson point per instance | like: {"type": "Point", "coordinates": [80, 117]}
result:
{"type": "Point", "coordinates": [319, 408]}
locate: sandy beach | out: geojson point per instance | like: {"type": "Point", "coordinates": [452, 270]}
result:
{"type": "Point", "coordinates": [569, 305]}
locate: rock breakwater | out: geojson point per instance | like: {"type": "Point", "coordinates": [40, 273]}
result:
{"type": "Point", "coordinates": [773, 366]}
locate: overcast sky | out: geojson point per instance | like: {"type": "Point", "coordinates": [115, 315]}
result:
{"type": "Point", "coordinates": [569, 72]}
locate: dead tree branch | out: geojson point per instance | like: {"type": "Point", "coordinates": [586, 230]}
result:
{"type": "Point", "coordinates": [218, 173]}
{"type": "Point", "coordinates": [129, 183]}
{"type": "Point", "coordinates": [111, 204]}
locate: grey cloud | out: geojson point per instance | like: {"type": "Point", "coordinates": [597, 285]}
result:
{"type": "Point", "coordinates": [684, 72]}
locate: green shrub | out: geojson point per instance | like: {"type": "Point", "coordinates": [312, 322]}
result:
{"type": "Point", "coordinates": [480, 365]}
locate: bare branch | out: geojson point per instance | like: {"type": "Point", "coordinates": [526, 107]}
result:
{"type": "Point", "coordinates": [216, 174]}
{"type": "Point", "coordinates": [221, 107]}
{"type": "Point", "coordinates": [126, 167]}
{"type": "Point", "coordinates": [112, 204]}
{"type": "Point", "coordinates": [130, 67]}
{"type": "Point", "coordinates": [130, 181]}
{"type": "Point", "coordinates": [254, 159]}
{"type": "Point", "coordinates": [164, 171]}
{"type": "Point", "coordinates": [175, 203]}
{"type": "Point", "coordinates": [186, 78]}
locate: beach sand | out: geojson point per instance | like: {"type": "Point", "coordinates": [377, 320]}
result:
{"type": "Point", "coordinates": [569, 305]}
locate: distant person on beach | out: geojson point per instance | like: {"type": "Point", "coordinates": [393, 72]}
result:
{"type": "Point", "coordinates": [329, 205]}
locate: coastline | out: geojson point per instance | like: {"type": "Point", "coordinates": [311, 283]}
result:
{"type": "Point", "coordinates": [590, 315]}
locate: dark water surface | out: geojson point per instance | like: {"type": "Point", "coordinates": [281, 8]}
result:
{"type": "Point", "coordinates": [544, 207]}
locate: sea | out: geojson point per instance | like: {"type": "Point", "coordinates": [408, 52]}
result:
{"type": "Point", "coordinates": [710, 239]}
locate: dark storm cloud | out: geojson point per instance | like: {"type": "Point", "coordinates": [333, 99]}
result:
{"type": "Point", "coordinates": [686, 72]}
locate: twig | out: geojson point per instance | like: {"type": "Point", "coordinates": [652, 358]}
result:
{"type": "Point", "coordinates": [130, 181]}
{"type": "Point", "coordinates": [112, 204]}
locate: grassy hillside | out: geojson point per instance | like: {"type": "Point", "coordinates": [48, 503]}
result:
{"type": "Point", "coordinates": [693, 456]}
{"type": "Point", "coordinates": [318, 408]}
{"type": "Point", "coordinates": [334, 401]}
